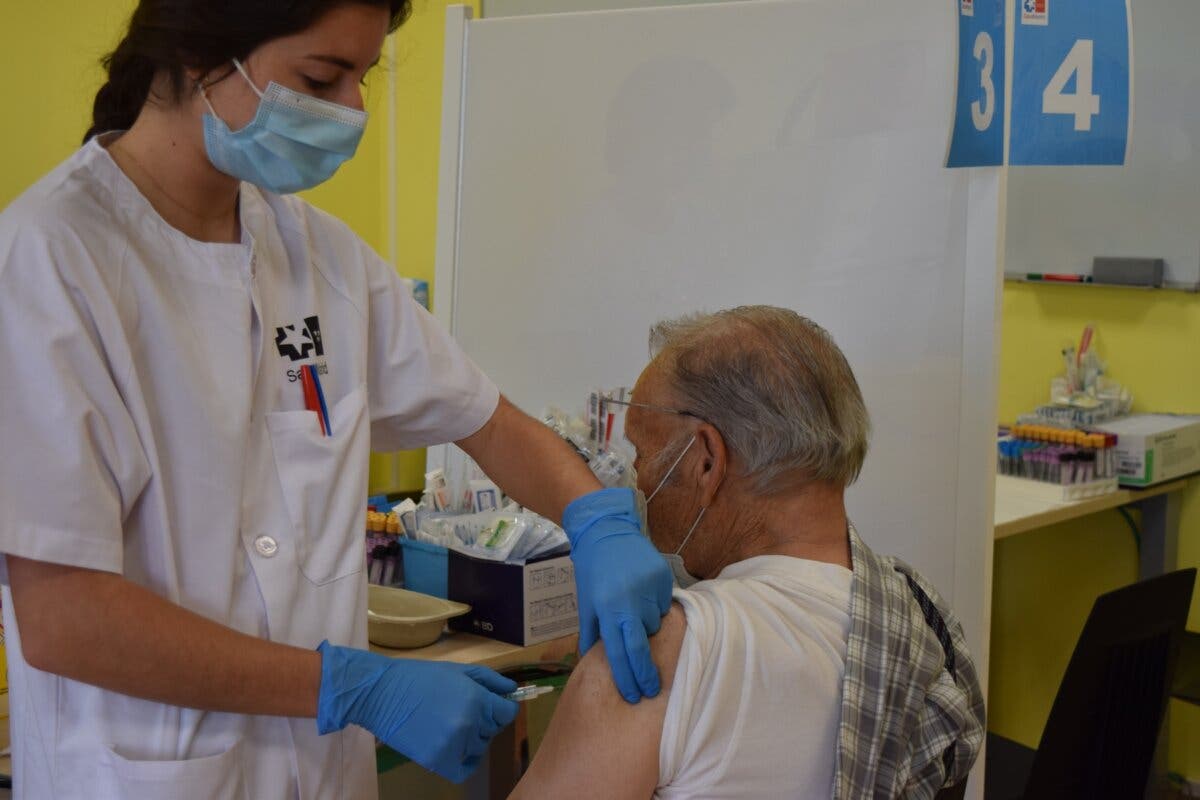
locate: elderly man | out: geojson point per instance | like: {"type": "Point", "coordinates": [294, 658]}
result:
{"type": "Point", "coordinates": [801, 664]}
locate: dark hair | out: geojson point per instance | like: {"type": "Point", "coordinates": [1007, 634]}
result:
{"type": "Point", "coordinates": [171, 36]}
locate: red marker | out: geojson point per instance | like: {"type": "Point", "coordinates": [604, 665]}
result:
{"type": "Point", "coordinates": [311, 401]}
{"type": "Point", "coordinates": [1058, 277]}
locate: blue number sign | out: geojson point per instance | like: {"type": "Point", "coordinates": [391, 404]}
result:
{"type": "Point", "coordinates": [978, 138]}
{"type": "Point", "coordinates": [1071, 88]}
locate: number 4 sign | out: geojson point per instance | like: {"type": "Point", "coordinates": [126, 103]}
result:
{"type": "Point", "coordinates": [1071, 86]}
{"type": "Point", "coordinates": [1070, 78]}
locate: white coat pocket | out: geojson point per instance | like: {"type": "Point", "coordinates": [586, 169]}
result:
{"type": "Point", "coordinates": [323, 479]}
{"type": "Point", "coordinates": [216, 777]}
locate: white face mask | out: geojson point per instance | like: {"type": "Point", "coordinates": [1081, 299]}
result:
{"type": "Point", "coordinates": [683, 578]}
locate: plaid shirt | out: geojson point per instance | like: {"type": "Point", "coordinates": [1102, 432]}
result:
{"type": "Point", "coordinates": [912, 710]}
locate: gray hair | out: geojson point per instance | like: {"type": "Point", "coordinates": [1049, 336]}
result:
{"type": "Point", "coordinates": [775, 385]}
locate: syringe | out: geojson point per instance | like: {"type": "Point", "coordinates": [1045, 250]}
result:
{"type": "Point", "coordinates": [528, 692]}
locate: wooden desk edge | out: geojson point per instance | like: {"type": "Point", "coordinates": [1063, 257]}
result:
{"type": "Point", "coordinates": [467, 648]}
{"type": "Point", "coordinates": [1069, 511]}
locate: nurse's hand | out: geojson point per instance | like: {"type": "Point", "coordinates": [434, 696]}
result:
{"type": "Point", "coordinates": [624, 586]}
{"type": "Point", "coordinates": [440, 714]}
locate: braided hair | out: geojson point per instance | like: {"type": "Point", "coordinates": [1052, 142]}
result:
{"type": "Point", "coordinates": [169, 37]}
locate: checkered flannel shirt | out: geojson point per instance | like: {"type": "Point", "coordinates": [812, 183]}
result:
{"type": "Point", "coordinates": [912, 710]}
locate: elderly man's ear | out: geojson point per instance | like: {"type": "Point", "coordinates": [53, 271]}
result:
{"type": "Point", "coordinates": [713, 463]}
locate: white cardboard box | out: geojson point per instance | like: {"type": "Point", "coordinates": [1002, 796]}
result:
{"type": "Point", "coordinates": [1154, 448]}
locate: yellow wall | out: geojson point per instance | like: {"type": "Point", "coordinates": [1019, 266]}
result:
{"type": "Point", "coordinates": [50, 53]}
{"type": "Point", "coordinates": [1045, 581]}
{"type": "Point", "coordinates": [416, 71]}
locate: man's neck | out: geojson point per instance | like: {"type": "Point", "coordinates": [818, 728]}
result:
{"type": "Point", "coordinates": [809, 522]}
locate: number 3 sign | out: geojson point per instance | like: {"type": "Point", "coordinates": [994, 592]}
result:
{"type": "Point", "coordinates": [978, 138]}
{"type": "Point", "coordinates": [1070, 77]}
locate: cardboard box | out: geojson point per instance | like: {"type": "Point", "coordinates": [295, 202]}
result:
{"type": "Point", "coordinates": [521, 604]}
{"type": "Point", "coordinates": [1155, 448]}
{"type": "Point", "coordinates": [426, 567]}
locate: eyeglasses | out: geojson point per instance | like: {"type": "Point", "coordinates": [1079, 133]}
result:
{"type": "Point", "coordinates": [652, 407]}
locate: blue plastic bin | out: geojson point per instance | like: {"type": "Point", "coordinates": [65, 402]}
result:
{"type": "Point", "coordinates": [425, 567]}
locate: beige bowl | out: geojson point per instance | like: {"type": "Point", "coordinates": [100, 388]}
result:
{"type": "Point", "coordinates": [400, 618]}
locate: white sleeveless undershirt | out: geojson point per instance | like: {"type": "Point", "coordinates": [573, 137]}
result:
{"type": "Point", "coordinates": [755, 706]}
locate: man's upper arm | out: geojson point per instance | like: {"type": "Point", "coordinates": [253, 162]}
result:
{"type": "Point", "coordinates": [598, 745]}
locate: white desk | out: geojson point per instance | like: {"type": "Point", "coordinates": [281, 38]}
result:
{"type": "Point", "coordinates": [1024, 505]}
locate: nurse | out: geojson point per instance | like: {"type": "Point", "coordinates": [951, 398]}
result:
{"type": "Point", "coordinates": [182, 574]}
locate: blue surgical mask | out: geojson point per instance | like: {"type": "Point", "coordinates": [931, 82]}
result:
{"type": "Point", "coordinates": [683, 578]}
{"type": "Point", "coordinates": [294, 142]}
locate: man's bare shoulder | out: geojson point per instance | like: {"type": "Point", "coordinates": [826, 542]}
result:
{"type": "Point", "coordinates": [594, 677]}
{"type": "Point", "coordinates": [598, 745]}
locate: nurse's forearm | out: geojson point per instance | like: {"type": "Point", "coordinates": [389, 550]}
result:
{"type": "Point", "coordinates": [529, 461]}
{"type": "Point", "coordinates": [98, 628]}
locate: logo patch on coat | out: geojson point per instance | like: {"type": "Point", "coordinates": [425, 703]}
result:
{"type": "Point", "coordinates": [300, 344]}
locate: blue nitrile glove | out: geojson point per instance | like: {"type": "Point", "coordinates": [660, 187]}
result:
{"type": "Point", "coordinates": [624, 586]}
{"type": "Point", "coordinates": [440, 714]}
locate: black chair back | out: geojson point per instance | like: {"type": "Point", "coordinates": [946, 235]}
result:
{"type": "Point", "coordinates": [1100, 737]}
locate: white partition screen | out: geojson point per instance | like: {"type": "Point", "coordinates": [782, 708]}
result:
{"type": "Point", "coordinates": [604, 170]}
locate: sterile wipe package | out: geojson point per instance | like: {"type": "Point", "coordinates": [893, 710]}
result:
{"type": "Point", "coordinates": [495, 535]}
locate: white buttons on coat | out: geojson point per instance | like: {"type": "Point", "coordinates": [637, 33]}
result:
{"type": "Point", "coordinates": [266, 546]}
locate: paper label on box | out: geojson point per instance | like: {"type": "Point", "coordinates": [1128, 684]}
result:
{"type": "Point", "coordinates": [554, 616]}
{"type": "Point", "coordinates": [551, 607]}
{"type": "Point", "coordinates": [1134, 465]}
{"type": "Point", "coordinates": [547, 575]}
{"type": "Point", "coordinates": [1176, 453]}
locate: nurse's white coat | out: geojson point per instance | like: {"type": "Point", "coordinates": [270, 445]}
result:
{"type": "Point", "coordinates": [153, 425]}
